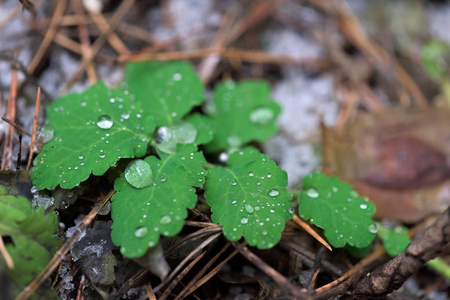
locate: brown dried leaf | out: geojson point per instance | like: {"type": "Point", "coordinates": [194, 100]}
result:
{"type": "Point", "coordinates": [398, 159]}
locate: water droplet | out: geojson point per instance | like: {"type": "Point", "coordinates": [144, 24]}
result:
{"type": "Point", "coordinates": [363, 206]}
{"type": "Point", "coordinates": [274, 193]}
{"type": "Point", "coordinates": [244, 220]}
{"type": "Point", "coordinates": [257, 208]}
{"type": "Point", "coordinates": [234, 182]}
{"type": "Point", "coordinates": [165, 220]}
{"type": "Point", "coordinates": [258, 183]}
{"type": "Point", "coordinates": [233, 202]}
{"type": "Point", "coordinates": [313, 193]}
{"type": "Point", "coordinates": [234, 142]}
{"type": "Point", "coordinates": [139, 174]}
{"type": "Point", "coordinates": [269, 175]}
{"type": "Point", "coordinates": [264, 232]}
{"type": "Point", "coordinates": [184, 132]}
{"type": "Point", "coordinates": [104, 122]}
{"type": "Point", "coordinates": [251, 174]}
{"type": "Point", "coordinates": [177, 76]}
{"type": "Point", "coordinates": [162, 178]}
{"type": "Point", "coordinates": [334, 189]}
{"type": "Point", "coordinates": [102, 154]}
{"type": "Point", "coordinates": [141, 232]}
{"type": "Point", "coordinates": [291, 210]}
{"type": "Point", "coordinates": [373, 228]}
{"type": "Point", "coordinates": [223, 157]}
{"type": "Point", "coordinates": [81, 157]}
{"type": "Point", "coordinates": [47, 133]}
{"type": "Point", "coordinates": [261, 116]}
{"type": "Point", "coordinates": [125, 115]}
{"type": "Point", "coordinates": [249, 208]}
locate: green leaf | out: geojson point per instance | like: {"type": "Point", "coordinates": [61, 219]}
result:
{"type": "Point", "coordinates": [249, 198]}
{"type": "Point", "coordinates": [435, 58]}
{"type": "Point", "coordinates": [395, 240]}
{"type": "Point", "coordinates": [333, 205]}
{"type": "Point", "coordinates": [359, 252]}
{"type": "Point", "coordinates": [93, 131]}
{"type": "Point", "coordinates": [242, 113]}
{"type": "Point", "coordinates": [204, 125]}
{"type": "Point", "coordinates": [169, 89]}
{"type": "Point", "coordinates": [441, 266]}
{"type": "Point", "coordinates": [141, 215]}
{"type": "Point", "coordinates": [31, 231]}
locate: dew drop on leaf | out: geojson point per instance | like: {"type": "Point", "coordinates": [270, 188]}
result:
{"type": "Point", "coordinates": [313, 193]}
{"type": "Point", "coordinates": [125, 115]}
{"type": "Point", "coordinates": [184, 132]}
{"type": "Point", "coordinates": [244, 220]}
{"type": "Point", "coordinates": [165, 220]}
{"type": "Point", "coordinates": [139, 174]}
{"type": "Point", "coordinates": [249, 208]}
{"type": "Point", "coordinates": [104, 122]}
{"type": "Point", "coordinates": [177, 76]}
{"type": "Point", "coordinates": [274, 193]}
{"type": "Point", "coordinates": [47, 133]}
{"type": "Point", "coordinates": [373, 228]}
{"type": "Point", "coordinates": [234, 182]}
{"type": "Point", "coordinates": [363, 206]}
{"type": "Point", "coordinates": [261, 116]}
{"type": "Point", "coordinates": [102, 154]}
{"type": "Point", "coordinates": [251, 174]}
{"type": "Point", "coordinates": [223, 157]}
{"type": "Point", "coordinates": [141, 232]}
{"type": "Point", "coordinates": [162, 178]}
{"type": "Point", "coordinates": [234, 142]}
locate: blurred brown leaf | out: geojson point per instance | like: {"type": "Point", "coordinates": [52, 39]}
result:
{"type": "Point", "coordinates": [398, 159]}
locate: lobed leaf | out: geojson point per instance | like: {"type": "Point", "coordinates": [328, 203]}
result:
{"type": "Point", "coordinates": [93, 131]}
{"type": "Point", "coordinates": [242, 112]}
{"type": "Point", "coordinates": [333, 205]}
{"type": "Point", "coordinates": [395, 240]}
{"type": "Point", "coordinates": [249, 198]}
{"type": "Point", "coordinates": [170, 89]}
{"type": "Point", "coordinates": [141, 215]}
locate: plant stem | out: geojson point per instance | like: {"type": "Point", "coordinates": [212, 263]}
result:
{"type": "Point", "coordinates": [295, 193]}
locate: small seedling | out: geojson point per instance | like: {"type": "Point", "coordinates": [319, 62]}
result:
{"type": "Point", "coordinates": [148, 119]}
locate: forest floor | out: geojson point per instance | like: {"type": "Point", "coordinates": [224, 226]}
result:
{"type": "Point", "coordinates": [362, 72]}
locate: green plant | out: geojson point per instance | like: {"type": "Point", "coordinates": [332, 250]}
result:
{"type": "Point", "coordinates": [148, 119]}
{"type": "Point", "coordinates": [30, 230]}
{"type": "Point", "coordinates": [395, 239]}
{"type": "Point", "coordinates": [333, 205]}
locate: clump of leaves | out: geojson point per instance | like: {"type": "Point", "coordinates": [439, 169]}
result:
{"type": "Point", "coordinates": [148, 119]}
{"type": "Point", "coordinates": [30, 230]}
